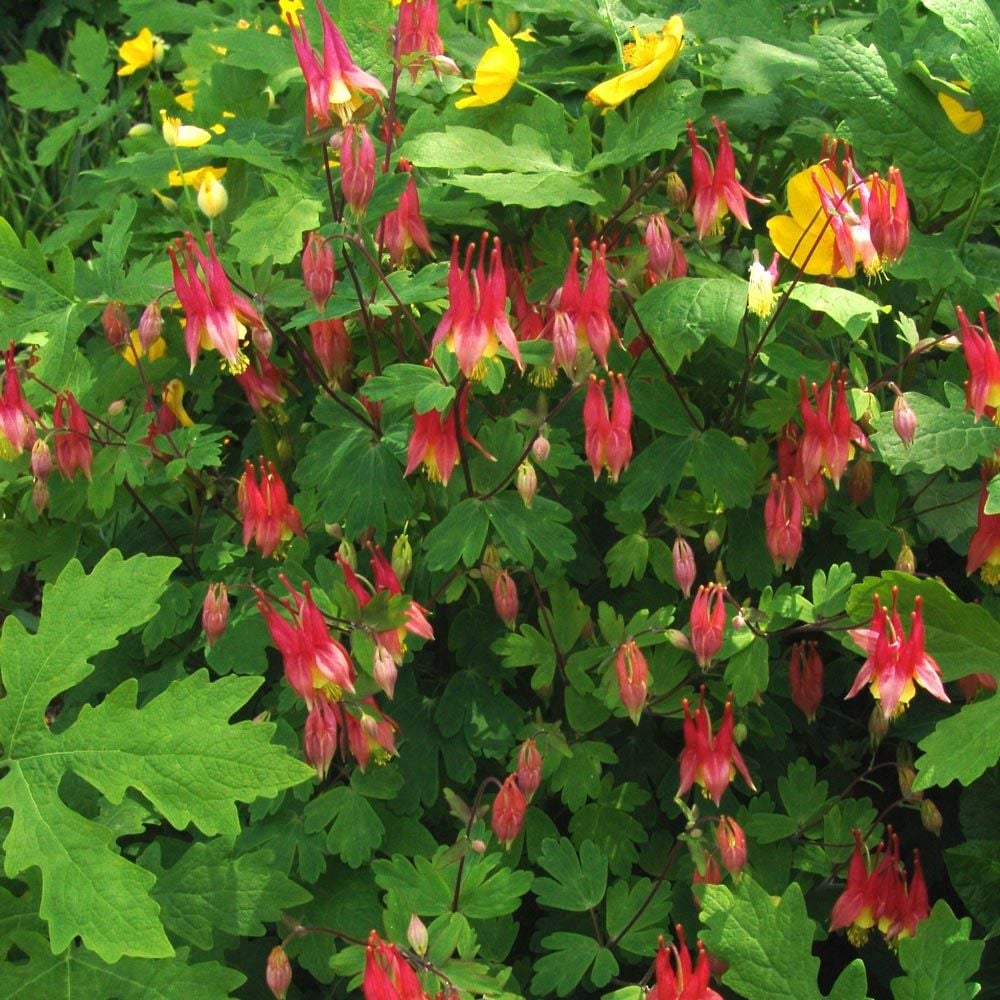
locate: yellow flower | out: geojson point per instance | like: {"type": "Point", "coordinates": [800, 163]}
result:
{"type": "Point", "coordinates": [805, 233]}
{"type": "Point", "coordinates": [649, 56]}
{"type": "Point", "coordinates": [173, 396]}
{"type": "Point", "coordinates": [290, 11]}
{"type": "Point", "coordinates": [194, 178]}
{"type": "Point", "coordinates": [496, 73]}
{"type": "Point", "coordinates": [140, 52]}
{"type": "Point", "coordinates": [967, 121]}
{"type": "Point", "coordinates": [212, 196]}
{"type": "Point", "coordinates": [134, 349]}
{"type": "Point", "coordinates": [183, 136]}
{"type": "Point", "coordinates": [185, 100]}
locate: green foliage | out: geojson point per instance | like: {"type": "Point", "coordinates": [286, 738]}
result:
{"type": "Point", "coordinates": [939, 959]}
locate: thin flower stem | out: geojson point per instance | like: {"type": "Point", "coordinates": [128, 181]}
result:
{"type": "Point", "coordinates": [486, 782]}
{"type": "Point", "coordinates": [650, 896]}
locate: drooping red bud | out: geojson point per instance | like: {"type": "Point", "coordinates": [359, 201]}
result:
{"type": "Point", "coordinates": [215, 612]}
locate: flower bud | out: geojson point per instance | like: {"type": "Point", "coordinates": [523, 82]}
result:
{"type": "Point", "coordinates": [527, 482]}
{"type": "Point", "coordinates": [263, 339]}
{"type": "Point", "coordinates": [357, 167]}
{"type": "Point", "coordinates": [140, 129]}
{"type": "Point", "coordinates": [318, 269]}
{"type": "Point", "coordinates": [490, 565]}
{"type": "Point", "coordinates": [732, 844]}
{"type": "Point", "coordinates": [677, 193]}
{"type": "Point", "coordinates": [509, 808]}
{"type": "Point", "coordinates": [859, 485]}
{"type": "Point", "coordinates": [278, 973]}
{"type": "Point", "coordinates": [150, 325]}
{"type": "Point", "coordinates": [805, 677]}
{"type": "Point", "coordinates": [212, 197]}
{"type": "Point", "coordinates": [41, 460]}
{"type": "Point", "coordinates": [40, 495]}
{"type": "Point", "coordinates": [906, 562]}
{"type": "Point", "coordinates": [114, 319]}
{"type": "Point", "coordinates": [907, 776]}
{"type": "Point", "coordinates": [931, 817]}
{"type": "Point", "coordinates": [332, 346]}
{"type": "Point", "coordinates": [878, 725]}
{"type": "Point", "coordinates": [479, 846]}
{"type": "Point", "coordinates": [505, 598]}
{"type": "Point", "coordinates": [416, 935]}
{"type": "Point", "coordinates": [215, 612]}
{"type": "Point", "coordinates": [685, 568]}
{"type": "Point", "coordinates": [633, 673]}
{"type": "Point", "coordinates": [904, 420]}
{"type": "Point", "coordinates": [712, 540]}
{"type": "Point", "coordinates": [346, 552]}
{"type": "Point", "coordinates": [540, 448]}
{"type": "Point", "coordinates": [384, 670]}
{"type": "Point", "coordinates": [319, 737]}
{"type": "Point", "coordinates": [115, 407]}
{"type": "Point", "coordinates": [678, 639]}
{"type": "Point", "coordinates": [760, 288]}
{"type": "Point", "coordinates": [402, 558]}
{"type": "Point", "coordinates": [529, 769]}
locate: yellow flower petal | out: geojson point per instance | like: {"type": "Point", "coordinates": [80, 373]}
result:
{"type": "Point", "coordinates": [965, 121]}
{"type": "Point", "coordinates": [290, 11]}
{"type": "Point", "coordinates": [496, 73]}
{"type": "Point", "coordinates": [173, 396]}
{"type": "Point", "coordinates": [194, 178]}
{"type": "Point", "coordinates": [185, 100]}
{"type": "Point", "coordinates": [182, 136]}
{"type": "Point", "coordinates": [649, 57]}
{"type": "Point", "coordinates": [133, 349]}
{"type": "Point", "coordinates": [803, 237]}
{"type": "Point", "coordinates": [137, 53]}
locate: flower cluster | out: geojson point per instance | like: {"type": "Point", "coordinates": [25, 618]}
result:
{"type": "Point", "coordinates": [516, 791]}
{"type": "Point", "coordinates": [881, 897]}
{"type": "Point", "coordinates": [608, 435]}
{"type": "Point", "coordinates": [895, 662]}
{"type": "Point", "coordinates": [268, 518]}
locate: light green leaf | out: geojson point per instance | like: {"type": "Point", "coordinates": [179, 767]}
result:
{"type": "Point", "coordinates": [37, 83]}
{"type": "Point", "coordinates": [623, 903]}
{"type": "Point", "coordinates": [548, 190]}
{"type": "Point", "coordinates": [273, 227]}
{"type": "Point", "coordinates": [758, 67]}
{"type": "Point", "coordinates": [849, 310]}
{"type": "Point", "coordinates": [561, 971]}
{"type": "Point", "coordinates": [578, 882]}
{"type": "Point", "coordinates": [88, 889]}
{"type": "Point", "coordinates": [460, 535]}
{"type": "Point", "coordinates": [78, 973]}
{"type": "Point", "coordinates": [743, 924]}
{"type": "Point", "coordinates": [680, 316]}
{"type": "Point", "coordinates": [947, 436]}
{"type": "Point", "coordinates": [747, 673]}
{"type": "Point", "coordinates": [541, 528]}
{"type": "Point", "coordinates": [215, 888]}
{"type": "Point", "coordinates": [961, 747]}
{"type": "Point", "coordinates": [722, 468]}
{"type": "Point", "coordinates": [626, 559]}
{"type": "Point", "coordinates": [939, 959]}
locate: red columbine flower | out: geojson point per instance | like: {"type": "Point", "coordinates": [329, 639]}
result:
{"type": "Point", "coordinates": [357, 167]}
{"type": "Point", "coordinates": [813, 493]}
{"type": "Point", "coordinates": [72, 440]}
{"type": "Point", "coordinates": [404, 227]}
{"type": "Point", "coordinates": [17, 418]}
{"type": "Point", "coordinates": [895, 662]}
{"type": "Point", "coordinates": [215, 612]}
{"type": "Point", "coordinates": [332, 346]}
{"type": "Point", "coordinates": [215, 317]}
{"type": "Point", "coordinates": [677, 978]}
{"type": "Point", "coordinates": [529, 769]}
{"type": "Point", "coordinates": [633, 673]}
{"type": "Point", "coordinates": [608, 435]}
{"type": "Point", "coordinates": [314, 661]}
{"type": "Point", "coordinates": [829, 435]}
{"type": "Point", "coordinates": [319, 272]}
{"type": "Point", "coordinates": [262, 383]}
{"type": "Point", "coordinates": [805, 675]}
{"type": "Point", "coordinates": [505, 599]}
{"type": "Point", "coordinates": [388, 976]}
{"type": "Point", "coordinates": [856, 905]}
{"type": "Point", "coordinates": [370, 735]}
{"type": "Point", "coordinates": [336, 85]}
{"type": "Point", "coordinates": [508, 811]}
{"type": "Point", "coordinates": [475, 324]}
{"type": "Point", "coordinates": [278, 973]}
{"type": "Point", "coordinates": [707, 760]}
{"type": "Point", "coordinates": [594, 315]}
{"type": "Point", "coordinates": [685, 568]}
{"type": "Point", "coordinates": [666, 259]}
{"type": "Point", "coordinates": [417, 34]}
{"type": "Point", "coordinates": [889, 214]}
{"type": "Point", "coordinates": [708, 620]}
{"type": "Point", "coordinates": [716, 192]}
{"type": "Point", "coordinates": [434, 441]}
{"type": "Point", "coordinates": [319, 737]}
{"type": "Point", "coordinates": [982, 390]}
{"type": "Point", "coordinates": [783, 522]}
{"type": "Point", "coordinates": [268, 518]}
{"type": "Point", "coordinates": [732, 844]}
